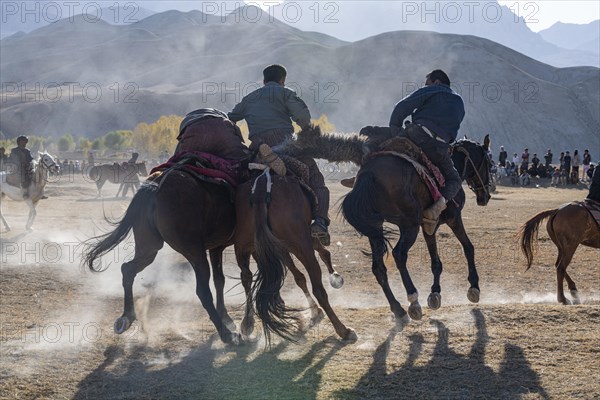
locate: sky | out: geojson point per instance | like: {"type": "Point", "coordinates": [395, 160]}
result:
{"type": "Point", "coordinates": [538, 15]}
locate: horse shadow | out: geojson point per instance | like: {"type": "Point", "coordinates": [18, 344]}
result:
{"type": "Point", "coordinates": [453, 376]}
{"type": "Point", "coordinates": [243, 372]}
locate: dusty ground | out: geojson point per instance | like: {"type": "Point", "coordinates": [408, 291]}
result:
{"type": "Point", "coordinates": [56, 320]}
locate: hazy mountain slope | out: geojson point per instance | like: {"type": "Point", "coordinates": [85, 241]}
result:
{"type": "Point", "coordinates": [176, 62]}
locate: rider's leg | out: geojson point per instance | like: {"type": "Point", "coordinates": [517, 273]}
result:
{"type": "Point", "coordinates": [321, 216]}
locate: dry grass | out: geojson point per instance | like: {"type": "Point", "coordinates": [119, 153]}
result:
{"type": "Point", "coordinates": [57, 341]}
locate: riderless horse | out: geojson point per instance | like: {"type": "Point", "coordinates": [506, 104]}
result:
{"type": "Point", "coordinates": [127, 175]}
{"type": "Point", "coordinates": [11, 186]}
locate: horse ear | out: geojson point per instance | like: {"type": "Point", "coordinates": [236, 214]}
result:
{"type": "Point", "coordinates": [486, 142]}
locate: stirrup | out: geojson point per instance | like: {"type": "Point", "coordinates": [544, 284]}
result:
{"type": "Point", "coordinates": [320, 232]}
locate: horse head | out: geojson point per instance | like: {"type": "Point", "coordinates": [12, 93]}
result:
{"type": "Point", "coordinates": [473, 163]}
{"type": "Point", "coordinates": [141, 169]}
{"type": "Point", "coordinates": [47, 162]}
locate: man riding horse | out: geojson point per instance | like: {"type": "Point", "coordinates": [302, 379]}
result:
{"type": "Point", "coordinates": [269, 112]}
{"type": "Point", "coordinates": [21, 157]}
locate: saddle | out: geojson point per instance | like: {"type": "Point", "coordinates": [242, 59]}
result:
{"type": "Point", "coordinates": [406, 149]}
{"type": "Point", "coordinates": [593, 208]}
{"type": "Point", "coordinates": [298, 172]}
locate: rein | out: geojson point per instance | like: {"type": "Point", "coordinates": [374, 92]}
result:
{"type": "Point", "coordinates": [468, 159]}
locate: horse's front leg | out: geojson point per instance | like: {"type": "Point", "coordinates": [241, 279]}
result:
{"type": "Point", "coordinates": [458, 229]}
{"type": "Point", "coordinates": [32, 214]}
{"type": "Point", "coordinates": [408, 236]}
{"type": "Point", "coordinates": [434, 301]}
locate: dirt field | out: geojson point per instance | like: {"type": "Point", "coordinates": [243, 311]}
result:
{"type": "Point", "coordinates": [57, 339]}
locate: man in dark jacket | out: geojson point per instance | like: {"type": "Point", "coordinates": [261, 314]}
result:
{"type": "Point", "coordinates": [21, 157]}
{"type": "Point", "coordinates": [436, 112]}
{"type": "Point", "coordinates": [269, 112]}
{"type": "Point", "coordinates": [594, 193]}
{"type": "Point", "coordinates": [502, 157]}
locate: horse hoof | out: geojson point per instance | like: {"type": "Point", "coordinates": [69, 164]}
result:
{"type": "Point", "coordinates": [350, 336]}
{"type": "Point", "coordinates": [247, 328]}
{"type": "Point", "coordinates": [233, 338]}
{"type": "Point", "coordinates": [473, 295]}
{"type": "Point", "coordinates": [575, 296]}
{"type": "Point", "coordinates": [121, 325]}
{"type": "Point", "coordinates": [402, 322]}
{"type": "Point", "coordinates": [414, 311]}
{"type": "Point", "coordinates": [566, 302]}
{"type": "Point", "coordinates": [434, 301]}
{"type": "Point", "coordinates": [336, 281]}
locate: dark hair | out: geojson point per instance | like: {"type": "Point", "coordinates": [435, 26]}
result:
{"type": "Point", "coordinates": [439, 75]}
{"type": "Point", "coordinates": [22, 137]}
{"type": "Point", "coordinates": [274, 73]}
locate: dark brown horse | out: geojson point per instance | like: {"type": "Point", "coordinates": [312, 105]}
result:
{"type": "Point", "coordinates": [192, 216]}
{"type": "Point", "coordinates": [388, 189]}
{"type": "Point", "coordinates": [568, 226]}
{"type": "Point", "coordinates": [270, 226]}
{"type": "Point", "coordinates": [127, 175]}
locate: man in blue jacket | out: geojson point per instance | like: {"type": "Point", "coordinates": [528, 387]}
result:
{"type": "Point", "coordinates": [436, 113]}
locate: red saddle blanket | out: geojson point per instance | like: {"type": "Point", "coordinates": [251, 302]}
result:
{"type": "Point", "coordinates": [205, 164]}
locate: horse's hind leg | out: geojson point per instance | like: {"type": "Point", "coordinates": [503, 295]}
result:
{"type": "Point", "coordinates": [306, 256]}
{"type": "Point", "coordinates": [145, 252]}
{"type": "Point", "coordinates": [243, 261]}
{"type": "Point", "coordinates": [380, 272]}
{"type": "Point", "coordinates": [408, 236]}
{"type": "Point", "coordinates": [316, 313]}
{"type": "Point", "coordinates": [572, 289]}
{"type": "Point", "coordinates": [459, 231]}
{"type": "Point", "coordinates": [565, 254]}
{"type": "Point", "coordinates": [32, 214]}
{"type": "Point", "coordinates": [434, 301]}
{"type": "Point", "coordinates": [202, 269]}
{"type": "Point", "coordinates": [335, 280]}
{"type": "Point", "coordinates": [216, 261]}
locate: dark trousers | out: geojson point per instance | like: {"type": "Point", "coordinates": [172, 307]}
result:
{"type": "Point", "coordinates": [594, 193]}
{"type": "Point", "coordinates": [439, 154]}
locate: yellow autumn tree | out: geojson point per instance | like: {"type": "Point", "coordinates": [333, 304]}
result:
{"type": "Point", "coordinates": [157, 136]}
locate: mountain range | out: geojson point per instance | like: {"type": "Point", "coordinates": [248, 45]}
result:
{"type": "Point", "coordinates": [78, 77]}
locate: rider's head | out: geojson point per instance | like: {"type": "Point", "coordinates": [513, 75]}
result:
{"type": "Point", "coordinates": [437, 77]}
{"type": "Point", "coordinates": [22, 140]}
{"type": "Point", "coordinates": [274, 73]}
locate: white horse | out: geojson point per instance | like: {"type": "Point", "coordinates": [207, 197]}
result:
{"type": "Point", "coordinates": [41, 168]}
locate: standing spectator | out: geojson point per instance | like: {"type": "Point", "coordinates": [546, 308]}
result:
{"type": "Point", "coordinates": [567, 163]}
{"type": "Point", "coordinates": [4, 158]}
{"type": "Point", "coordinates": [525, 160]}
{"type": "Point", "coordinates": [576, 163]}
{"type": "Point", "coordinates": [91, 161]}
{"type": "Point", "coordinates": [548, 158]}
{"type": "Point", "coordinates": [587, 159]}
{"type": "Point", "coordinates": [516, 160]}
{"type": "Point", "coordinates": [594, 193]}
{"type": "Point", "coordinates": [502, 157]}
{"type": "Point", "coordinates": [561, 160]}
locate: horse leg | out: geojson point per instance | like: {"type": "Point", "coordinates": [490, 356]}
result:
{"type": "Point", "coordinates": [202, 269]}
{"type": "Point", "coordinates": [306, 255]}
{"type": "Point", "coordinates": [316, 313]}
{"type": "Point", "coordinates": [144, 255]}
{"type": "Point", "coordinates": [32, 214]}
{"type": "Point", "coordinates": [565, 254]}
{"type": "Point", "coordinates": [408, 236]}
{"type": "Point", "coordinates": [572, 288]}
{"type": "Point", "coordinates": [459, 231]}
{"type": "Point", "coordinates": [2, 216]}
{"type": "Point", "coordinates": [380, 272]}
{"type": "Point", "coordinates": [434, 301]}
{"type": "Point", "coordinates": [335, 280]}
{"type": "Point", "coordinates": [243, 261]}
{"type": "Point", "coordinates": [216, 261]}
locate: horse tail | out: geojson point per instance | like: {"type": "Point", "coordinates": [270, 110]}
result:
{"type": "Point", "coordinates": [270, 255]}
{"type": "Point", "coordinates": [141, 205]}
{"type": "Point", "coordinates": [358, 209]}
{"type": "Point", "coordinates": [528, 234]}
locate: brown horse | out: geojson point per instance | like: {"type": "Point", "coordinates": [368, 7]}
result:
{"type": "Point", "coordinates": [388, 189]}
{"type": "Point", "coordinates": [192, 216]}
{"type": "Point", "coordinates": [271, 225]}
{"type": "Point", "coordinates": [568, 226]}
{"type": "Point", "coordinates": [127, 175]}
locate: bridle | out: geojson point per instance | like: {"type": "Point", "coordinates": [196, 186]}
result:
{"type": "Point", "coordinates": [478, 184]}
{"type": "Point", "coordinates": [46, 165]}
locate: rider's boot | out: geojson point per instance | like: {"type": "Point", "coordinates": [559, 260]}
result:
{"type": "Point", "coordinates": [272, 160]}
{"type": "Point", "coordinates": [432, 214]}
{"type": "Point", "coordinates": [318, 229]}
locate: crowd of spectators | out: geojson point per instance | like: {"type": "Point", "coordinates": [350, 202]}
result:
{"type": "Point", "coordinates": [521, 169]}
